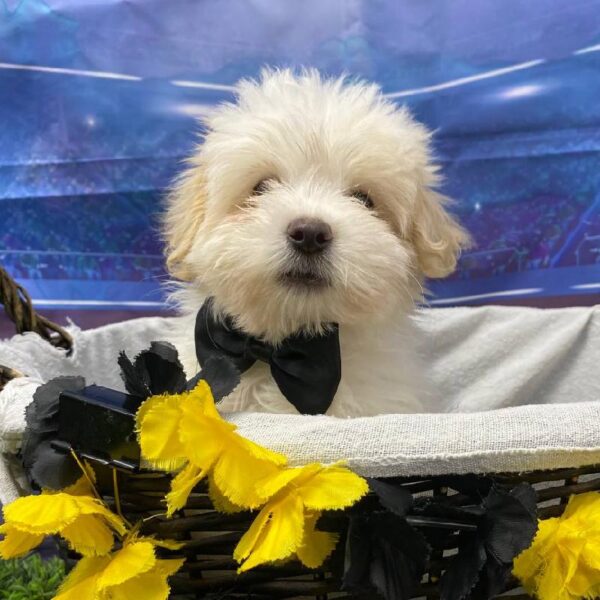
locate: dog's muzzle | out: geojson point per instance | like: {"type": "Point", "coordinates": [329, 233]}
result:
{"type": "Point", "coordinates": [309, 239]}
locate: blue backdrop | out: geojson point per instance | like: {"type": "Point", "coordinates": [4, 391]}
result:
{"type": "Point", "coordinates": [99, 101]}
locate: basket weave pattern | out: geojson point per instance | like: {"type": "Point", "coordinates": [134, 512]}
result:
{"type": "Point", "coordinates": [210, 536]}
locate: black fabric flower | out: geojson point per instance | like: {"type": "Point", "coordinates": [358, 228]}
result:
{"type": "Point", "coordinates": [390, 535]}
{"type": "Point", "coordinates": [506, 525]}
{"type": "Point", "coordinates": [386, 553]}
{"type": "Point", "coordinates": [45, 466]}
{"type": "Point", "coordinates": [158, 370]}
{"type": "Point", "coordinates": [383, 551]}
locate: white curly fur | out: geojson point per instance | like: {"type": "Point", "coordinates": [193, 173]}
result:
{"type": "Point", "coordinates": [316, 141]}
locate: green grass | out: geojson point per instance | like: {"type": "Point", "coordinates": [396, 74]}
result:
{"type": "Point", "coordinates": [30, 578]}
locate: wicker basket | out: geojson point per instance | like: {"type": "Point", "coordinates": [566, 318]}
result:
{"type": "Point", "coordinates": [210, 536]}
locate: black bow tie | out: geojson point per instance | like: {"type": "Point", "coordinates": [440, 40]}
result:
{"type": "Point", "coordinates": [307, 369]}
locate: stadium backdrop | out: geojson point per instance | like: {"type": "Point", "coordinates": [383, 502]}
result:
{"type": "Point", "coordinates": [99, 104]}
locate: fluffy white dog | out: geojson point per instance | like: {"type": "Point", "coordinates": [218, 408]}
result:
{"type": "Point", "coordinates": [312, 201]}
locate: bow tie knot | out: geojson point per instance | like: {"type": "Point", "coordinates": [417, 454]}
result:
{"type": "Point", "coordinates": [306, 368]}
{"type": "Point", "coordinates": [258, 350]}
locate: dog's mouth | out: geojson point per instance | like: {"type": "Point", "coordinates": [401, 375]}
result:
{"type": "Point", "coordinates": [304, 279]}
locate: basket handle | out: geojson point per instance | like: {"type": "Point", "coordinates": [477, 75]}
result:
{"type": "Point", "coordinates": [19, 309]}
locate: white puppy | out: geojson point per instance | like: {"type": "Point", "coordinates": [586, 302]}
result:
{"type": "Point", "coordinates": [311, 201]}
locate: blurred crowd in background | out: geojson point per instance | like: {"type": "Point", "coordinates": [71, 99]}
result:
{"type": "Point", "coordinates": [101, 102]}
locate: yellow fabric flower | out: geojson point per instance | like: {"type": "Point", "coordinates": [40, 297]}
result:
{"type": "Point", "coordinates": [316, 545]}
{"type": "Point", "coordinates": [219, 501]}
{"type": "Point", "coordinates": [132, 572]}
{"type": "Point", "coordinates": [83, 521]}
{"type": "Point", "coordinates": [286, 525]}
{"type": "Point", "coordinates": [185, 432]}
{"type": "Point", "coordinates": [563, 562]}
{"type": "Point", "coordinates": [158, 422]}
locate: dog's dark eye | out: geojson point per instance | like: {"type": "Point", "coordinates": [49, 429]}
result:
{"type": "Point", "coordinates": [261, 187]}
{"type": "Point", "coordinates": [363, 198]}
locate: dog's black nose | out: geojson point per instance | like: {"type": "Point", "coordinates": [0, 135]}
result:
{"type": "Point", "coordinates": [309, 235]}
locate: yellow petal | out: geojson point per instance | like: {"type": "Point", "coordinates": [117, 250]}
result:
{"type": "Point", "coordinates": [148, 404]}
{"type": "Point", "coordinates": [333, 487]}
{"type": "Point", "coordinates": [150, 586]}
{"type": "Point", "coordinates": [585, 506]}
{"type": "Point", "coordinates": [530, 562]}
{"type": "Point", "coordinates": [316, 545]}
{"type": "Point", "coordinates": [80, 584]}
{"type": "Point", "coordinates": [563, 563]}
{"type": "Point", "coordinates": [549, 566]}
{"type": "Point", "coordinates": [17, 543]}
{"type": "Point", "coordinates": [203, 439]}
{"type": "Point", "coordinates": [182, 486]}
{"type": "Point", "coordinates": [267, 487]}
{"type": "Point", "coordinates": [89, 536]}
{"type": "Point", "coordinates": [158, 420]}
{"type": "Point", "coordinates": [132, 560]}
{"type": "Point", "coordinates": [584, 583]}
{"type": "Point", "coordinates": [551, 585]}
{"type": "Point", "coordinates": [236, 472]}
{"type": "Point", "coordinates": [278, 533]}
{"type": "Point", "coordinates": [219, 501]}
{"type": "Point", "coordinates": [526, 568]}
{"type": "Point", "coordinates": [591, 553]}
{"type": "Point", "coordinates": [570, 549]}
{"type": "Point", "coordinates": [262, 453]}
{"type": "Point", "coordinates": [45, 514]}
{"type": "Point", "coordinates": [170, 566]}
{"type": "Point", "coordinates": [250, 539]}
{"type": "Point", "coordinates": [92, 506]}
{"type": "Point", "coordinates": [201, 398]}
{"type": "Point", "coordinates": [168, 544]}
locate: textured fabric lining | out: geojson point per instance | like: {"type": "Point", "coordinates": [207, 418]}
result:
{"type": "Point", "coordinates": [532, 376]}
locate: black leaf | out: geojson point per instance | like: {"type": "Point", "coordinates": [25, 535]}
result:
{"type": "Point", "coordinates": [511, 521]}
{"type": "Point", "coordinates": [193, 382]}
{"type": "Point", "coordinates": [358, 555]}
{"type": "Point", "coordinates": [389, 572]}
{"type": "Point", "coordinates": [42, 413]}
{"type": "Point", "coordinates": [384, 552]}
{"type": "Point", "coordinates": [400, 554]}
{"type": "Point", "coordinates": [44, 466]}
{"type": "Point", "coordinates": [52, 469]}
{"type": "Point", "coordinates": [135, 382]}
{"type": "Point", "coordinates": [493, 580]}
{"type": "Point", "coordinates": [483, 565]}
{"type": "Point", "coordinates": [463, 571]}
{"type": "Point", "coordinates": [394, 498]}
{"type": "Point", "coordinates": [31, 440]}
{"type": "Point", "coordinates": [221, 375]}
{"type": "Point", "coordinates": [525, 493]}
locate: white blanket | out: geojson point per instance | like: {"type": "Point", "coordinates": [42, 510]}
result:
{"type": "Point", "coordinates": [483, 359]}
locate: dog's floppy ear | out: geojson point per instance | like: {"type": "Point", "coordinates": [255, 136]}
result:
{"type": "Point", "coordinates": [437, 237]}
{"type": "Point", "coordinates": [184, 215]}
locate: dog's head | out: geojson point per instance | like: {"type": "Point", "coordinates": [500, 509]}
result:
{"type": "Point", "coordinates": [309, 201]}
